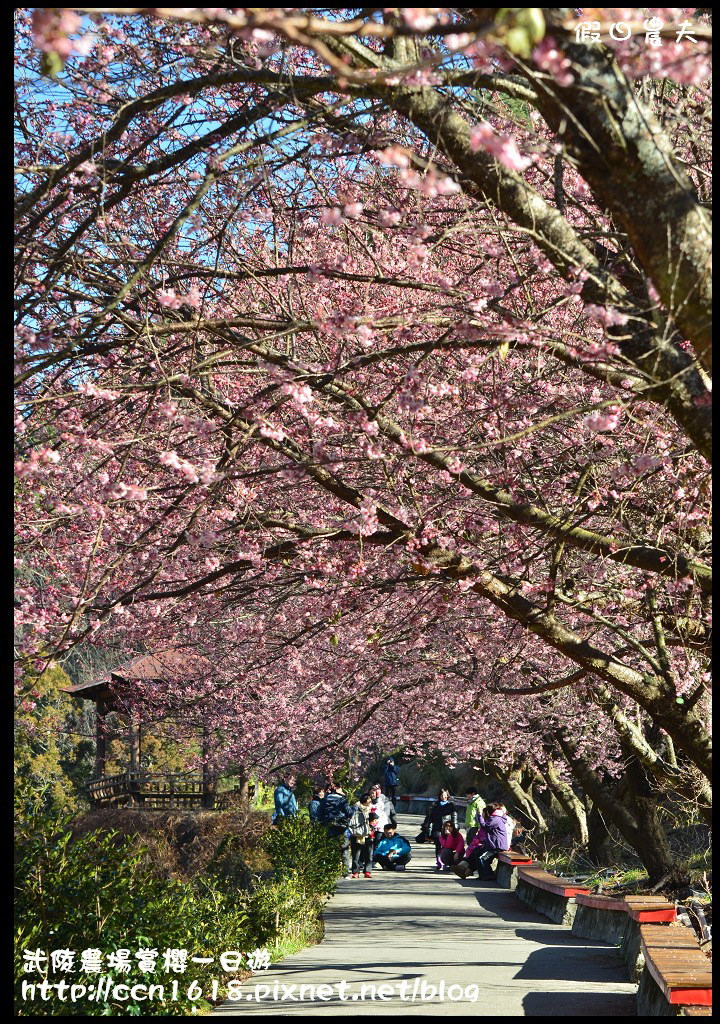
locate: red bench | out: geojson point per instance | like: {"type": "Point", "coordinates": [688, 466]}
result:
{"type": "Point", "coordinates": [507, 864]}
{"type": "Point", "coordinates": [650, 909]}
{"type": "Point", "coordinates": [677, 967]}
{"type": "Point", "coordinates": [514, 858]}
{"type": "Point", "coordinates": [617, 920]}
{"type": "Point", "coordinates": [552, 896]}
{"type": "Point", "coordinates": [535, 874]}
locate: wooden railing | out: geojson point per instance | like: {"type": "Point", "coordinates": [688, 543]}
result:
{"type": "Point", "coordinates": [153, 792]}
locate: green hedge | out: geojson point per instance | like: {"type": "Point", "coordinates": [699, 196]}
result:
{"type": "Point", "coordinates": [101, 891]}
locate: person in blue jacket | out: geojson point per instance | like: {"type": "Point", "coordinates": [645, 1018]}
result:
{"type": "Point", "coordinates": [390, 774]}
{"type": "Point", "coordinates": [392, 852]}
{"type": "Point", "coordinates": [335, 813]}
{"type": "Point", "coordinates": [285, 802]}
{"type": "Point", "coordinates": [314, 805]}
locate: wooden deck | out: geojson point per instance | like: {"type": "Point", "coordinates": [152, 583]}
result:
{"type": "Point", "coordinates": [154, 792]}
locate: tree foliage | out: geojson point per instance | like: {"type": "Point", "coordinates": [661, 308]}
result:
{"type": "Point", "coordinates": [369, 352]}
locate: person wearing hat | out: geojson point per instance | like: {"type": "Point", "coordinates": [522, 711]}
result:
{"type": "Point", "coordinates": [334, 812]}
{"type": "Point", "coordinates": [390, 778]}
{"type": "Point", "coordinates": [382, 805]}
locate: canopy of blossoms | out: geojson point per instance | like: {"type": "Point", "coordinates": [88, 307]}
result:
{"type": "Point", "coordinates": [367, 354]}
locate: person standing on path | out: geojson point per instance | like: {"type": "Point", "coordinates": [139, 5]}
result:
{"type": "Point", "coordinates": [284, 798]}
{"type": "Point", "coordinates": [335, 813]}
{"type": "Point", "coordinates": [361, 840]}
{"type": "Point", "coordinates": [390, 778]}
{"type": "Point", "coordinates": [383, 807]}
{"type": "Point", "coordinates": [441, 811]}
{"type": "Point", "coordinates": [475, 804]}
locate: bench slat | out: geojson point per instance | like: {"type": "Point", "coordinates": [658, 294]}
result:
{"type": "Point", "coordinates": [542, 879]}
{"type": "Point", "coordinates": [598, 902]}
{"type": "Point", "coordinates": [508, 857]}
{"type": "Point", "coordinates": [677, 964]}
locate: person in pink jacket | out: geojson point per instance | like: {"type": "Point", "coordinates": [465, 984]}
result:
{"type": "Point", "coordinates": [451, 846]}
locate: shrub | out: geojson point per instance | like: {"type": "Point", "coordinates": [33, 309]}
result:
{"type": "Point", "coordinates": [98, 891]}
{"type": "Point", "coordinates": [185, 883]}
{"type": "Point", "coordinates": [276, 908]}
{"type": "Point", "coordinates": [301, 849]}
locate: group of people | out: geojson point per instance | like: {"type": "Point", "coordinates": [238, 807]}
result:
{"type": "Point", "coordinates": [368, 832]}
{"type": "Point", "coordinates": [489, 831]}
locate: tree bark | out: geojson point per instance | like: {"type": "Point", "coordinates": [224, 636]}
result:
{"type": "Point", "coordinates": [524, 802]}
{"type": "Point", "coordinates": [622, 152]}
{"type": "Point", "coordinates": [656, 854]}
{"type": "Point", "coordinates": [600, 845]}
{"type": "Point", "coordinates": [569, 801]}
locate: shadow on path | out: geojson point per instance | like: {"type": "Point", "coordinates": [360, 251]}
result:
{"type": "Point", "coordinates": [419, 927]}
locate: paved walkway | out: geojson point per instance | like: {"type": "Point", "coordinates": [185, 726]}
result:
{"type": "Point", "coordinates": [412, 931]}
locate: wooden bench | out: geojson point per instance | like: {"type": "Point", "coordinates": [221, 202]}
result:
{"type": "Point", "coordinates": [513, 857]}
{"type": "Point", "coordinates": [677, 973]}
{"type": "Point", "coordinates": [618, 920]}
{"type": "Point", "coordinates": [507, 864]}
{"type": "Point", "coordinates": [600, 917]}
{"type": "Point", "coordinates": [650, 909]}
{"type": "Point", "coordinates": [552, 896]}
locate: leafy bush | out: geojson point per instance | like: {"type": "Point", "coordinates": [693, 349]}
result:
{"type": "Point", "coordinates": [302, 850]}
{"type": "Point", "coordinates": [83, 884]}
{"type": "Point", "coordinates": [277, 908]}
{"type": "Point", "coordinates": [98, 891]}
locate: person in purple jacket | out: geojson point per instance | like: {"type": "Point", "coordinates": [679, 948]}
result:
{"type": "Point", "coordinates": [494, 825]}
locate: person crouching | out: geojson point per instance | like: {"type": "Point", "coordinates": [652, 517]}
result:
{"type": "Point", "coordinates": [392, 852]}
{"type": "Point", "coordinates": [451, 846]}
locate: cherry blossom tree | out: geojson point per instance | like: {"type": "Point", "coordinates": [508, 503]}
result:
{"type": "Point", "coordinates": [368, 353]}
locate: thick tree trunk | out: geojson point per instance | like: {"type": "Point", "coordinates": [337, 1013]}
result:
{"type": "Point", "coordinates": [622, 152]}
{"type": "Point", "coordinates": [679, 383]}
{"type": "Point", "coordinates": [640, 826]}
{"type": "Point", "coordinates": [669, 776]}
{"type": "Point", "coordinates": [644, 794]}
{"type": "Point", "coordinates": [524, 802]}
{"type": "Point", "coordinates": [569, 801]}
{"type": "Point", "coordinates": [600, 844]}
{"type": "Point", "coordinates": [242, 788]}
{"type": "Point", "coordinates": [664, 246]}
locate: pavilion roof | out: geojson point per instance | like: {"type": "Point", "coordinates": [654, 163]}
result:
{"type": "Point", "coordinates": [162, 665]}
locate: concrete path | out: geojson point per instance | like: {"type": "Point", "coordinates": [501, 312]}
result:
{"type": "Point", "coordinates": [402, 935]}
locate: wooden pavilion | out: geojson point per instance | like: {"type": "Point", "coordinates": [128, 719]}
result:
{"type": "Point", "coordinates": [135, 787]}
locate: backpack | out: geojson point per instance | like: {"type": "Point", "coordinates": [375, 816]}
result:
{"type": "Point", "coordinates": [358, 825]}
{"type": "Point", "coordinates": [335, 813]}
